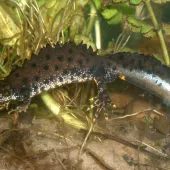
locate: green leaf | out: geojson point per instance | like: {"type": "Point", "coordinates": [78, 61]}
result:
{"type": "Point", "coordinates": [85, 40]}
{"type": "Point", "coordinates": [139, 26]}
{"type": "Point", "coordinates": [135, 2]}
{"type": "Point", "coordinates": [114, 9]}
{"type": "Point", "coordinates": [113, 13]}
{"type": "Point", "coordinates": [109, 13]}
{"type": "Point", "coordinates": [8, 28]}
{"type": "Point", "coordinates": [98, 3]}
{"type": "Point", "coordinates": [116, 19]}
{"type": "Point", "coordinates": [78, 24]}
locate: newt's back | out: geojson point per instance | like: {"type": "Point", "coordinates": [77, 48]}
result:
{"type": "Point", "coordinates": [57, 66]}
{"type": "Point", "coordinates": [70, 63]}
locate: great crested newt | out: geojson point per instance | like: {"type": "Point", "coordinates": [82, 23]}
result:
{"type": "Point", "coordinates": [69, 63]}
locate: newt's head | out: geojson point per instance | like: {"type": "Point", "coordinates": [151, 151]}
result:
{"type": "Point", "coordinates": [5, 94]}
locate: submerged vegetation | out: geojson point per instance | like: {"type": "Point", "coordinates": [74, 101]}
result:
{"type": "Point", "coordinates": [28, 25]}
{"type": "Point", "coordinates": [108, 26]}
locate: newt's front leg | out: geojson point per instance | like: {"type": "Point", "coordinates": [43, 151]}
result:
{"type": "Point", "coordinates": [22, 107]}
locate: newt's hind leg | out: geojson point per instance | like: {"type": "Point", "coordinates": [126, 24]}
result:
{"type": "Point", "coordinates": [103, 101]}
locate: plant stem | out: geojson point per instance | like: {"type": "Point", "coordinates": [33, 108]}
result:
{"type": "Point", "coordinates": [98, 34]}
{"type": "Point", "coordinates": [91, 20]}
{"type": "Point", "coordinates": [66, 116]}
{"type": "Point", "coordinates": [159, 32]}
{"type": "Point", "coordinates": [94, 21]}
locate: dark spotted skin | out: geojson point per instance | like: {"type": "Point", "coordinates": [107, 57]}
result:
{"type": "Point", "coordinates": [69, 63]}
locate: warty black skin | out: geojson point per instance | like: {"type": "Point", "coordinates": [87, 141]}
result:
{"type": "Point", "coordinates": [69, 63]}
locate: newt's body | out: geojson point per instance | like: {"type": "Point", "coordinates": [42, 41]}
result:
{"type": "Point", "coordinates": [70, 63]}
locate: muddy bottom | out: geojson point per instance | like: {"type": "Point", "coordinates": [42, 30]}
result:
{"type": "Point", "coordinates": [135, 136]}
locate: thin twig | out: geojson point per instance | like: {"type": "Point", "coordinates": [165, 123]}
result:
{"type": "Point", "coordinates": [85, 140]}
{"type": "Point", "coordinates": [136, 113]}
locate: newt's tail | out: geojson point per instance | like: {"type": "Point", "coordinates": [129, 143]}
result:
{"type": "Point", "coordinates": [145, 72]}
